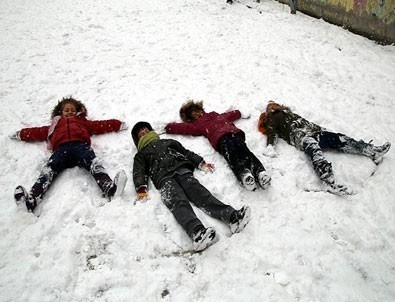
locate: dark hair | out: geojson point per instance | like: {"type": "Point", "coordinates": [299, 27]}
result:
{"type": "Point", "coordinates": [136, 128]}
{"type": "Point", "coordinates": [80, 107]}
{"type": "Point", "coordinates": [187, 108]}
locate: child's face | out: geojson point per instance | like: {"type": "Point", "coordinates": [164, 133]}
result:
{"type": "Point", "coordinates": [69, 110]}
{"type": "Point", "coordinates": [195, 114]}
{"type": "Point", "coordinates": [142, 132]}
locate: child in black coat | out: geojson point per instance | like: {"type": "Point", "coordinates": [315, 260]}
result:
{"type": "Point", "coordinates": [170, 167]}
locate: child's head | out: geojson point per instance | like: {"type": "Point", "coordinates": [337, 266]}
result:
{"type": "Point", "coordinates": [69, 107]}
{"type": "Point", "coordinates": [191, 111]}
{"type": "Point", "coordinates": [139, 129]}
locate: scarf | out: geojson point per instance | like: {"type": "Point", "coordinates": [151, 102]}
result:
{"type": "Point", "coordinates": [146, 139]}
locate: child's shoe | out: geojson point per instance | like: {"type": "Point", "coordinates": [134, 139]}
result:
{"type": "Point", "coordinates": [248, 181]}
{"type": "Point", "coordinates": [239, 219]}
{"type": "Point", "coordinates": [117, 186]}
{"type": "Point", "coordinates": [20, 195]}
{"type": "Point", "coordinates": [203, 238]}
{"type": "Point", "coordinates": [379, 151]}
{"type": "Point", "coordinates": [264, 179]}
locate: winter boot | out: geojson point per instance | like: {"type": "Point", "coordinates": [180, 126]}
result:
{"type": "Point", "coordinates": [117, 186]}
{"type": "Point", "coordinates": [239, 219]}
{"type": "Point", "coordinates": [264, 179]}
{"type": "Point", "coordinates": [203, 238]}
{"type": "Point", "coordinates": [376, 153]}
{"type": "Point", "coordinates": [248, 181]}
{"type": "Point", "coordinates": [21, 196]}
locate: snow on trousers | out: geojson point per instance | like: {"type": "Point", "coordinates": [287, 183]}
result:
{"type": "Point", "coordinates": [176, 193]}
{"type": "Point", "coordinates": [234, 149]}
{"type": "Point", "coordinates": [313, 145]}
{"type": "Point", "coordinates": [66, 156]}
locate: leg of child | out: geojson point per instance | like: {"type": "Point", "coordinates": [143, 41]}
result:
{"type": "Point", "coordinates": [177, 202]}
{"type": "Point", "coordinates": [232, 148]}
{"type": "Point", "coordinates": [312, 148]}
{"type": "Point", "coordinates": [86, 158]}
{"type": "Point", "coordinates": [203, 199]}
{"type": "Point", "coordinates": [346, 144]}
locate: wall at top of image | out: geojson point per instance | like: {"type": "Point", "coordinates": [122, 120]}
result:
{"type": "Point", "coordinates": [374, 19]}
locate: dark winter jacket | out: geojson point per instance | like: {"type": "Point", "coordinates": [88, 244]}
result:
{"type": "Point", "coordinates": [63, 130]}
{"type": "Point", "coordinates": [211, 125]}
{"type": "Point", "coordinates": [287, 125]}
{"type": "Point", "coordinates": [160, 159]}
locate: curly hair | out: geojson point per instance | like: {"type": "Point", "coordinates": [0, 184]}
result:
{"type": "Point", "coordinates": [187, 108]}
{"type": "Point", "coordinates": [57, 110]}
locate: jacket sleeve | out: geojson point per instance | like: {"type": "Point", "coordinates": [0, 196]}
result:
{"type": "Point", "coordinates": [34, 134]}
{"type": "Point", "coordinates": [140, 172]}
{"type": "Point", "coordinates": [182, 128]}
{"type": "Point", "coordinates": [231, 115]}
{"type": "Point", "coordinates": [103, 126]}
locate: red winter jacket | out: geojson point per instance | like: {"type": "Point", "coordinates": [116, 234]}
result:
{"type": "Point", "coordinates": [211, 125]}
{"type": "Point", "coordinates": [63, 130]}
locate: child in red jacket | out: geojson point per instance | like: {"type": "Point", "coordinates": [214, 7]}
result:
{"type": "Point", "coordinates": [68, 137]}
{"type": "Point", "coordinates": [226, 138]}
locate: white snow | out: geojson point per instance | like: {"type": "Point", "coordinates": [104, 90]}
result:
{"type": "Point", "coordinates": [140, 60]}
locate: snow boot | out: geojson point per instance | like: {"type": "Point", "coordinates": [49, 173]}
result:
{"type": "Point", "coordinates": [203, 238]}
{"type": "Point", "coordinates": [248, 181]}
{"type": "Point", "coordinates": [376, 153]}
{"type": "Point", "coordinates": [239, 219]}
{"type": "Point", "coordinates": [264, 179]}
{"type": "Point", "coordinates": [117, 186]}
{"type": "Point", "coordinates": [21, 196]}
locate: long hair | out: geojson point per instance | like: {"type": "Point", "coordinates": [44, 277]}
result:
{"type": "Point", "coordinates": [57, 110]}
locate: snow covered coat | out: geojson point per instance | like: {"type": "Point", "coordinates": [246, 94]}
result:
{"type": "Point", "coordinates": [63, 130]}
{"type": "Point", "coordinates": [211, 125]}
{"type": "Point", "coordinates": [159, 160]}
{"type": "Point", "coordinates": [287, 125]}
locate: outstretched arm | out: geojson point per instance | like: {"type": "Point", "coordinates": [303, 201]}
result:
{"type": "Point", "coordinates": [182, 128]}
{"type": "Point", "coordinates": [231, 115]}
{"type": "Point", "coordinates": [104, 126]}
{"type": "Point", "coordinates": [31, 134]}
{"type": "Point", "coordinates": [140, 178]}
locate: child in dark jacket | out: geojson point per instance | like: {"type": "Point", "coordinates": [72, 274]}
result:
{"type": "Point", "coordinates": [226, 138]}
{"type": "Point", "coordinates": [68, 137]}
{"type": "Point", "coordinates": [170, 167]}
{"type": "Point", "coordinates": [280, 121]}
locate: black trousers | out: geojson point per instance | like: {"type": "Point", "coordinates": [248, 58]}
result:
{"type": "Point", "coordinates": [66, 156]}
{"type": "Point", "coordinates": [178, 191]}
{"type": "Point", "coordinates": [234, 149]}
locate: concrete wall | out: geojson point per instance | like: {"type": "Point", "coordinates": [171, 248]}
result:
{"type": "Point", "coordinates": [374, 19]}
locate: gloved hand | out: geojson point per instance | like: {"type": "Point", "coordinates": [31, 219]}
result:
{"type": "Point", "coordinates": [123, 126]}
{"type": "Point", "coordinates": [206, 167]}
{"type": "Point", "coordinates": [15, 136]}
{"type": "Point", "coordinates": [269, 151]}
{"type": "Point", "coordinates": [142, 194]}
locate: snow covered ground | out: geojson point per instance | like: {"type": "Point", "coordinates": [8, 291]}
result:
{"type": "Point", "coordinates": [140, 60]}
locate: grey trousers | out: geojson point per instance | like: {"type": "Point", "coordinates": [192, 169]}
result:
{"type": "Point", "coordinates": [178, 191]}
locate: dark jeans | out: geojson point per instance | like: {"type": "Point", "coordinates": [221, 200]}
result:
{"type": "Point", "coordinates": [325, 140]}
{"type": "Point", "coordinates": [179, 190]}
{"type": "Point", "coordinates": [66, 156]}
{"type": "Point", "coordinates": [233, 147]}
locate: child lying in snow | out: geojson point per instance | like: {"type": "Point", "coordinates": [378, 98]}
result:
{"type": "Point", "coordinates": [170, 166]}
{"type": "Point", "coordinates": [226, 138]}
{"type": "Point", "coordinates": [68, 137]}
{"type": "Point", "coordinates": [280, 121]}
